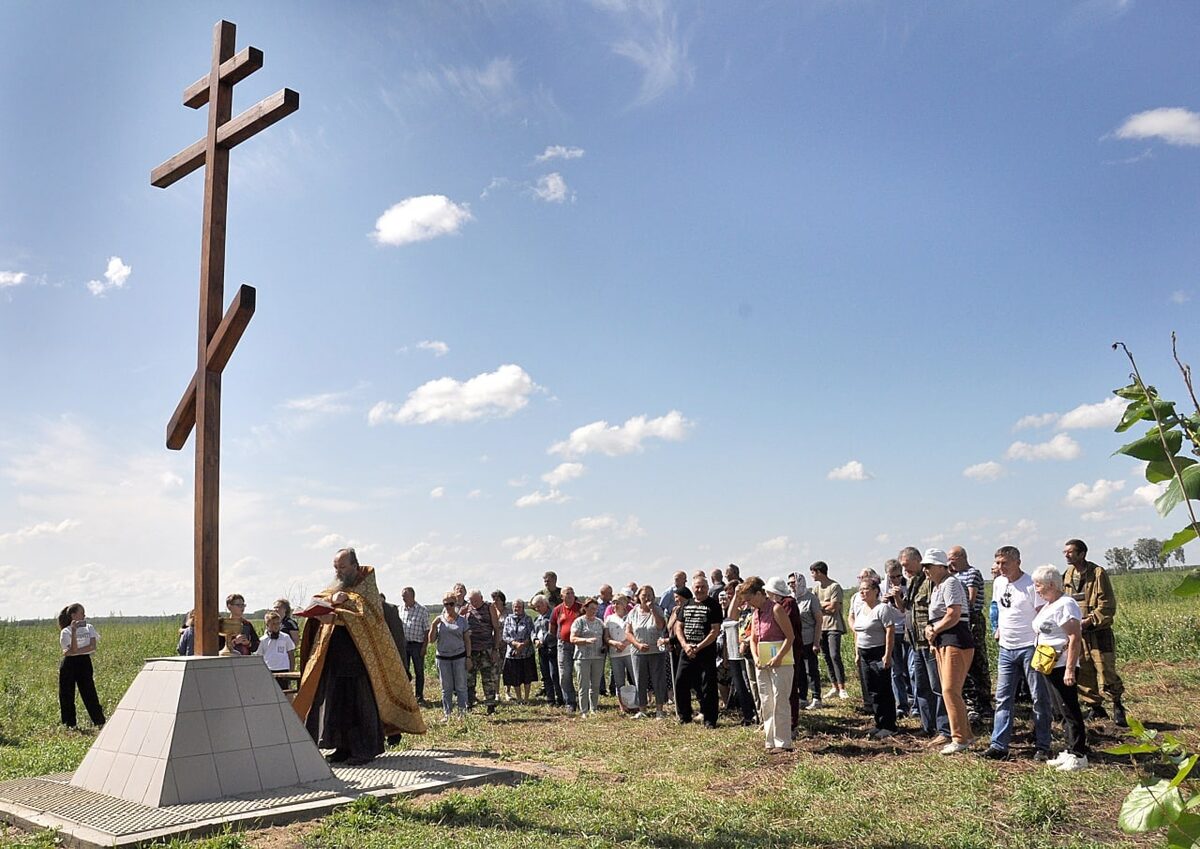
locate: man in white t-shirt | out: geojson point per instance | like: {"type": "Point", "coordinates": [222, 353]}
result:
{"type": "Point", "coordinates": [1018, 603]}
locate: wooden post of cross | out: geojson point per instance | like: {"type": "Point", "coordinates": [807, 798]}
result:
{"type": "Point", "coordinates": [200, 406]}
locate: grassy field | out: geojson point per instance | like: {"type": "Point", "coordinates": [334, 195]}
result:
{"type": "Point", "coordinates": [610, 780]}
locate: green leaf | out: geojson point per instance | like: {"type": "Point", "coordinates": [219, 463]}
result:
{"type": "Point", "coordinates": [1174, 494]}
{"type": "Point", "coordinates": [1160, 470]}
{"type": "Point", "coordinates": [1150, 447]}
{"type": "Point", "coordinates": [1136, 729]}
{"type": "Point", "coordinates": [1184, 833]}
{"type": "Point", "coordinates": [1131, 749]}
{"type": "Point", "coordinates": [1139, 411]}
{"type": "Point", "coordinates": [1182, 538]}
{"type": "Point", "coordinates": [1190, 585]}
{"type": "Point", "coordinates": [1133, 392]}
{"type": "Point", "coordinates": [1184, 769]}
{"type": "Point", "coordinates": [1150, 806]}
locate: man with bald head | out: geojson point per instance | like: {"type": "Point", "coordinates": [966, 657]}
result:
{"type": "Point", "coordinates": [977, 690]}
{"type": "Point", "coordinates": [667, 602]}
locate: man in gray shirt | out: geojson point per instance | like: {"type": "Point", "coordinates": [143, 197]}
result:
{"type": "Point", "coordinates": [808, 643]}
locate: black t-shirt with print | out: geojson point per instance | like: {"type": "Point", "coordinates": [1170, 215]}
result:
{"type": "Point", "coordinates": [699, 617]}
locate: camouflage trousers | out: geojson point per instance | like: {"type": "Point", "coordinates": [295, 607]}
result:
{"type": "Point", "coordinates": [1098, 669]}
{"type": "Point", "coordinates": [482, 666]}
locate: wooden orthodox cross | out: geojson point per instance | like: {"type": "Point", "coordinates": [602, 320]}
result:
{"type": "Point", "coordinates": [201, 403]}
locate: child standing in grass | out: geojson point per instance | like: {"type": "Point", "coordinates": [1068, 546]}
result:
{"type": "Point", "coordinates": [78, 640]}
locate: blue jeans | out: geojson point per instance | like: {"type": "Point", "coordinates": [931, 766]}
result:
{"type": "Point", "coordinates": [566, 674]}
{"type": "Point", "coordinates": [922, 668]}
{"type": "Point", "coordinates": [548, 660]}
{"type": "Point", "coordinates": [900, 677]}
{"type": "Point", "coordinates": [1014, 663]}
{"type": "Point", "coordinates": [453, 676]}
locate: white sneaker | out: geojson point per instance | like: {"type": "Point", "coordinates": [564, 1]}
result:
{"type": "Point", "coordinates": [1057, 759]}
{"type": "Point", "coordinates": [833, 691]}
{"type": "Point", "coordinates": [842, 694]}
{"type": "Point", "coordinates": [639, 715]}
{"type": "Point", "coordinates": [953, 748]}
{"type": "Point", "coordinates": [1072, 763]}
{"type": "Point", "coordinates": [815, 704]}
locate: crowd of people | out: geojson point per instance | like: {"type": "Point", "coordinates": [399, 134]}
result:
{"type": "Point", "coordinates": [716, 640]}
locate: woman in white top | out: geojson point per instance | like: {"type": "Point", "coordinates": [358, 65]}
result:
{"type": "Point", "coordinates": [587, 635]}
{"type": "Point", "coordinates": [78, 640]}
{"type": "Point", "coordinates": [620, 648]}
{"type": "Point", "coordinates": [646, 630]}
{"type": "Point", "coordinates": [1058, 627]}
{"type": "Point", "coordinates": [874, 642]}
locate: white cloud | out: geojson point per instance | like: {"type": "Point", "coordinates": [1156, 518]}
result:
{"type": "Point", "coordinates": [12, 278]}
{"type": "Point", "coordinates": [475, 494]}
{"type": "Point", "coordinates": [1061, 447]}
{"type": "Point", "coordinates": [418, 219]}
{"type": "Point", "coordinates": [114, 277]}
{"type": "Point", "coordinates": [558, 151]}
{"type": "Point", "coordinates": [538, 497]}
{"type": "Point", "coordinates": [38, 530]}
{"type": "Point", "coordinates": [1179, 296]}
{"type": "Point", "coordinates": [496, 394]}
{"type": "Point", "coordinates": [1173, 125]}
{"type": "Point", "coordinates": [627, 529]}
{"type": "Point", "coordinates": [883, 538]}
{"type": "Point", "coordinates": [986, 471]}
{"type": "Point", "coordinates": [614, 440]}
{"type": "Point", "coordinates": [779, 543]}
{"type": "Point", "coordinates": [328, 505]}
{"type": "Point", "coordinates": [552, 188]}
{"type": "Point", "coordinates": [564, 472]}
{"type": "Point", "coordinates": [1145, 495]}
{"type": "Point", "coordinates": [437, 492]}
{"type": "Point", "coordinates": [325, 402]}
{"type": "Point", "coordinates": [1084, 497]}
{"type": "Point", "coordinates": [1105, 414]}
{"type": "Point", "coordinates": [653, 43]}
{"type": "Point", "coordinates": [439, 348]}
{"type": "Point", "coordinates": [1097, 516]}
{"type": "Point", "coordinates": [1035, 420]}
{"type": "Point", "coordinates": [850, 471]}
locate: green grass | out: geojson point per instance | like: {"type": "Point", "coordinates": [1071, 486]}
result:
{"type": "Point", "coordinates": [609, 780]}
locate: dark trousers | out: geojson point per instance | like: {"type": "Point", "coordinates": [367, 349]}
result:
{"type": "Point", "coordinates": [1075, 730]}
{"type": "Point", "coordinates": [831, 647]}
{"type": "Point", "coordinates": [878, 682]}
{"type": "Point", "coordinates": [76, 671]}
{"type": "Point", "coordinates": [977, 689]}
{"type": "Point", "coordinates": [697, 673]}
{"type": "Point", "coordinates": [414, 667]}
{"type": "Point", "coordinates": [548, 662]}
{"type": "Point", "coordinates": [808, 673]}
{"type": "Point", "coordinates": [741, 689]}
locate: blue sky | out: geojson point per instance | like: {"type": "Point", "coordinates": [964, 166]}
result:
{"type": "Point", "coordinates": [612, 288]}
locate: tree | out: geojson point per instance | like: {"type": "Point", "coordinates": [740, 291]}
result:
{"type": "Point", "coordinates": [1148, 551]}
{"type": "Point", "coordinates": [1177, 554]}
{"type": "Point", "coordinates": [1119, 560]}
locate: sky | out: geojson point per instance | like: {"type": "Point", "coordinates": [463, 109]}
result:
{"type": "Point", "coordinates": [612, 288]}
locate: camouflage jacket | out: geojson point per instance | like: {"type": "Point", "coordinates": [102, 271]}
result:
{"type": "Point", "coordinates": [1093, 590]}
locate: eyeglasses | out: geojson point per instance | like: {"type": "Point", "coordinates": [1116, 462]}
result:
{"type": "Point", "coordinates": [237, 604]}
{"type": "Point", "coordinates": [1006, 599]}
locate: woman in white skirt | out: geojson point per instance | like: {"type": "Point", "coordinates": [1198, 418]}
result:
{"type": "Point", "coordinates": [771, 638]}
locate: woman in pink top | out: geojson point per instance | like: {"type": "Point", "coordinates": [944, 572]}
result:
{"type": "Point", "coordinates": [771, 637]}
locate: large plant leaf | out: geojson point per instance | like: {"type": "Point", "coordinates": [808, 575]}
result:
{"type": "Point", "coordinates": [1174, 493]}
{"type": "Point", "coordinates": [1133, 392]}
{"type": "Point", "coordinates": [1139, 411]}
{"type": "Point", "coordinates": [1150, 447]}
{"type": "Point", "coordinates": [1184, 833]}
{"type": "Point", "coordinates": [1182, 538]}
{"type": "Point", "coordinates": [1190, 585]}
{"type": "Point", "coordinates": [1150, 806]}
{"type": "Point", "coordinates": [1160, 470]}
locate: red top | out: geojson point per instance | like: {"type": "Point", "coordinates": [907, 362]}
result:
{"type": "Point", "coordinates": [564, 616]}
{"type": "Point", "coordinates": [765, 626]}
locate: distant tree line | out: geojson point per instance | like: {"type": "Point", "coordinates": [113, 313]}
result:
{"type": "Point", "coordinates": [1146, 555]}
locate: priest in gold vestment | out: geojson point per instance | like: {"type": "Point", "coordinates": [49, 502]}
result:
{"type": "Point", "coordinates": [353, 690]}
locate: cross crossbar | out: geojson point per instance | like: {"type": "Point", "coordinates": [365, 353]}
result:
{"type": "Point", "coordinates": [230, 134]}
{"type": "Point", "coordinates": [220, 349]}
{"type": "Point", "coordinates": [233, 71]}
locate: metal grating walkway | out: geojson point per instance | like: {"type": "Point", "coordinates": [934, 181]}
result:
{"type": "Point", "coordinates": [89, 819]}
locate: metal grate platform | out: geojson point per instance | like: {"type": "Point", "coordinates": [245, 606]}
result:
{"type": "Point", "coordinates": [88, 819]}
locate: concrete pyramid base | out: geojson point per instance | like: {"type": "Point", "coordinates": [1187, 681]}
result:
{"type": "Point", "coordinates": [195, 729]}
